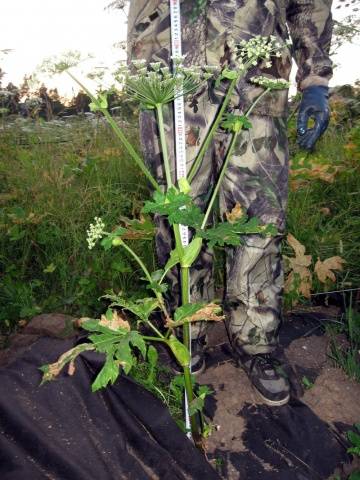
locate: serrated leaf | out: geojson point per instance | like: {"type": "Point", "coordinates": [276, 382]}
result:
{"type": "Point", "coordinates": [300, 277]}
{"type": "Point", "coordinates": [141, 307]}
{"type": "Point", "coordinates": [235, 123]}
{"type": "Point", "coordinates": [167, 203]}
{"type": "Point", "coordinates": [104, 342]}
{"type": "Point", "coordinates": [124, 355]}
{"type": "Point", "coordinates": [190, 216]}
{"type": "Point", "coordinates": [108, 374]}
{"type": "Point", "coordinates": [226, 233]}
{"type": "Point", "coordinates": [196, 405]}
{"type": "Point", "coordinates": [137, 341]}
{"type": "Point", "coordinates": [157, 287]}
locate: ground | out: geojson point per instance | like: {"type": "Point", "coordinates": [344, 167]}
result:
{"type": "Point", "coordinates": [304, 440]}
{"type": "Point", "coordinates": [331, 397]}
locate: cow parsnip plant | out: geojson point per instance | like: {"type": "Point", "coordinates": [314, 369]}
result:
{"type": "Point", "coordinates": [153, 86]}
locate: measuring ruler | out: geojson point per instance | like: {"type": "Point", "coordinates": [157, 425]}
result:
{"type": "Point", "coordinates": [180, 143]}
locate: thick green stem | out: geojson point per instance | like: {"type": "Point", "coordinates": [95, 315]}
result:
{"type": "Point", "coordinates": [185, 298]}
{"type": "Point", "coordinates": [160, 120]}
{"type": "Point", "coordinates": [119, 133]}
{"type": "Point", "coordinates": [210, 134]}
{"type": "Point", "coordinates": [221, 176]}
{"type": "Point", "coordinates": [148, 276]}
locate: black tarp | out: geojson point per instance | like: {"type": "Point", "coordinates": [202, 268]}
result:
{"type": "Point", "coordinates": [62, 431]}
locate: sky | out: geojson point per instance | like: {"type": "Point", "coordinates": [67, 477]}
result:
{"type": "Point", "coordinates": [36, 29]}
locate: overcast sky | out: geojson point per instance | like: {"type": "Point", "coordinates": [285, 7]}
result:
{"type": "Point", "coordinates": [35, 29]}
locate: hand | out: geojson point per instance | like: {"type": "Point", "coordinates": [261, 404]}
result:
{"type": "Point", "coordinates": [314, 104]}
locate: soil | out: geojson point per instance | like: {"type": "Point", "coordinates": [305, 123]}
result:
{"type": "Point", "coordinates": [331, 398]}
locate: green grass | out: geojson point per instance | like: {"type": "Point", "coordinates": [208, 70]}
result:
{"type": "Point", "coordinates": [336, 231]}
{"type": "Point", "coordinates": [50, 192]}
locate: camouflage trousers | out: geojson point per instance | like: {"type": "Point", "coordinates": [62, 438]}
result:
{"type": "Point", "coordinates": [257, 175]}
{"type": "Point", "coordinates": [257, 179]}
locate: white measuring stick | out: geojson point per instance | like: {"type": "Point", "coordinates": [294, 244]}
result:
{"type": "Point", "coordinates": [180, 144]}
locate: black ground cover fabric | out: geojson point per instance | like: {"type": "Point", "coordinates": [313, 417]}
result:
{"type": "Point", "coordinates": [61, 431]}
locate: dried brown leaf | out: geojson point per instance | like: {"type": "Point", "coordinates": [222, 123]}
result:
{"type": "Point", "coordinates": [236, 213]}
{"type": "Point", "coordinates": [117, 321]}
{"type": "Point", "coordinates": [210, 313]}
{"type": "Point", "coordinates": [324, 270]}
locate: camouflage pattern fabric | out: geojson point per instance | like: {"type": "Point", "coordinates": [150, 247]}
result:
{"type": "Point", "coordinates": [258, 173]}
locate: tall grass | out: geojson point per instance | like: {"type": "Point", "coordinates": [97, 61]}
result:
{"type": "Point", "coordinates": [50, 192]}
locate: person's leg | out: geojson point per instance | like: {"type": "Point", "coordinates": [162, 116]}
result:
{"type": "Point", "coordinates": [257, 179]}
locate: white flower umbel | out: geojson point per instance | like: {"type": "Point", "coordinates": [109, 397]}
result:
{"type": "Point", "coordinates": [154, 84]}
{"type": "Point", "coordinates": [95, 232]}
{"type": "Point", "coordinates": [271, 83]}
{"type": "Point", "coordinates": [250, 52]}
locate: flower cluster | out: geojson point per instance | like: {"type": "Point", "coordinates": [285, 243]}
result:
{"type": "Point", "coordinates": [155, 84]}
{"type": "Point", "coordinates": [249, 52]}
{"type": "Point", "coordinates": [68, 59]}
{"type": "Point", "coordinates": [95, 232]}
{"type": "Point", "coordinates": [271, 83]}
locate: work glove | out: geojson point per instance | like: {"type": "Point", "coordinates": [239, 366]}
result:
{"type": "Point", "coordinates": [314, 104]}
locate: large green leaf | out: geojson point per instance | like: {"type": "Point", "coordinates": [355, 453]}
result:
{"type": "Point", "coordinates": [108, 374]}
{"type": "Point", "coordinates": [235, 123]}
{"type": "Point", "coordinates": [137, 341]}
{"type": "Point", "coordinates": [104, 341]}
{"type": "Point", "coordinates": [167, 203]}
{"type": "Point", "coordinates": [178, 206]}
{"type": "Point", "coordinates": [226, 233]}
{"type": "Point", "coordinates": [190, 216]}
{"type": "Point", "coordinates": [141, 307]}
{"type": "Point", "coordinates": [124, 355]}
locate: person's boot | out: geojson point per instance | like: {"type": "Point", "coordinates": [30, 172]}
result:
{"type": "Point", "coordinates": [267, 376]}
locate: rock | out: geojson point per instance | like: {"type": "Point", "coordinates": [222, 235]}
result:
{"type": "Point", "coordinates": [52, 325]}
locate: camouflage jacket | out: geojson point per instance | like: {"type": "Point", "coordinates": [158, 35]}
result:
{"type": "Point", "coordinates": [205, 38]}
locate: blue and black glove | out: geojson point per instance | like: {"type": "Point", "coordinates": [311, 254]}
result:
{"type": "Point", "coordinates": [314, 104]}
